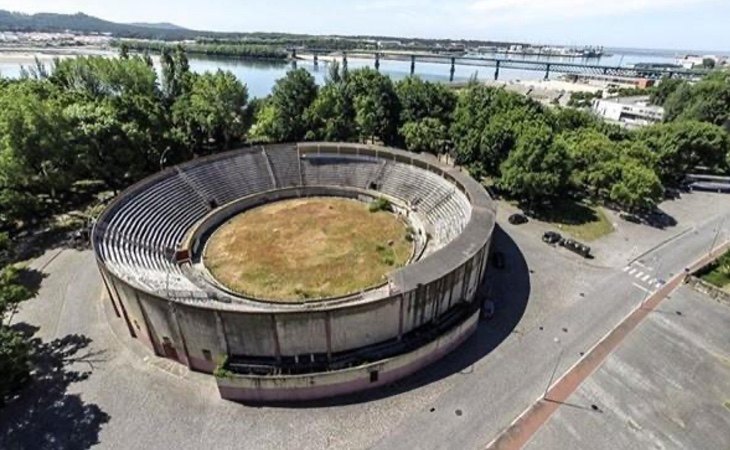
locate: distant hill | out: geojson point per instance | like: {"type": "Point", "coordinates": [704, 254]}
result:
{"type": "Point", "coordinates": [84, 23]}
{"type": "Point", "coordinates": [50, 22]}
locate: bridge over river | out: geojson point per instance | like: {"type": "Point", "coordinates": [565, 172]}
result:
{"type": "Point", "coordinates": [545, 66]}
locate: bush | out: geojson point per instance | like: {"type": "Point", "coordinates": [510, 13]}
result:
{"type": "Point", "coordinates": [380, 204]}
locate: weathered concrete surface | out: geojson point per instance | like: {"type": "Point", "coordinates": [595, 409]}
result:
{"type": "Point", "coordinates": [666, 386]}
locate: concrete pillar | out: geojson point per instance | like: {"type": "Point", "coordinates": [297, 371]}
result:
{"type": "Point", "coordinates": [275, 337]}
{"type": "Point", "coordinates": [547, 71]}
{"type": "Point", "coordinates": [221, 329]}
{"type": "Point", "coordinates": [316, 60]}
{"type": "Point", "coordinates": [377, 61]}
{"type": "Point", "coordinates": [344, 62]}
{"type": "Point", "coordinates": [453, 69]}
{"type": "Point", "coordinates": [294, 53]}
{"type": "Point", "coordinates": [178, 329]}
{"type": "Point", "coordinates": [328, 331]}
{"type": "Point", "coordinates": [496, 71]}
{"type": "Point", "coordinates": [413, 64]}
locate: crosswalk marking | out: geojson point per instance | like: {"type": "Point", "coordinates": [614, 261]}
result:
{"type": "Point", "coordinates": [643, 276]}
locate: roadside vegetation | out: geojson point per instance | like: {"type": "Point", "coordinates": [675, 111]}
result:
{"type": "Point", "coordinates": [92, 124]}
{"type": "Point", "coordinates": [718, 273]}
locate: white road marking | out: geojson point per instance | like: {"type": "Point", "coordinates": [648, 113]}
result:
{"type": "Point", "coordinates": [632, 271]}
{"type": "Point", "coordinates": [638, 263]}
{"type": "Point", "coordinates": [627, 268]}
{"type": "Point", "coordinates": [640, 287]}
{"type": "Point", "coordinates": [645, 278]}
{"type": "Point", "coordinates": [639, 275]}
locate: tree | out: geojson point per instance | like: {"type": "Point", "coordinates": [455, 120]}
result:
{"type": "Point", "coordinates": [538, 168]}
{"type": "Point", "coordinates": [504, 113]}
{"type": "Point", "coordinates": [264, 124]}
{"type": "Point", "coordinates": [682, 146]}
{"type": "Point", "coordinates": [571, 119]}
{"type": "Point", "coordinates": [331, 117]}
{"type": "Point", "coordinates": [664, 89]}
{"type": "Point", "coordinates": [36, 153]}
{"type": "Point", "coordinates": [638, 188]}
{"type": "Point", "coordinates": [706, 101]}
{"type": "Point", "coordinates": [14, 348]}
{"type": "Point", "coordinates": [212, 112]}
{"type": "Point", "coordinates": [421, 99]}
{"type": "Point", "coordinates": [377, 108]}
{"type": "Point", "coordinates": [291, 97]}
{"type": "Point", "coordinates": [425, 135]}
{"type": "Point", "coordinates": [604, 169]}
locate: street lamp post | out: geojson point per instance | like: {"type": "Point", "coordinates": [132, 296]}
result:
{"type": "Point", "coordinates": [555, 369]}
{"type": "Point", "coordinates": [717, 234]}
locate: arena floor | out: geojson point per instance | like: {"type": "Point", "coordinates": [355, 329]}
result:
{"type": "Point", "coordinates": [307, 248]}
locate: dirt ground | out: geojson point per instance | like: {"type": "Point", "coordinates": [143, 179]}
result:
{"type": "Point", "coordinates": [306, 249]}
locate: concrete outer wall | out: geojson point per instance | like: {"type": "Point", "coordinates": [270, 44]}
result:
{"type": "Point", "coordinates": [340, 382]}
{"type": "Point", "coordinates": [201, 334]}
{"type": "Point", "coordinates": [200, 337]}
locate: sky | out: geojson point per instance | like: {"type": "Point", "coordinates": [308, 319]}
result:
{"type": "Point", "coordinates": [658, 24]}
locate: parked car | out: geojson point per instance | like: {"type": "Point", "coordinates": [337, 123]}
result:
{"type": "Point", "coordinates": [498, 260]}
{"type": "Point", "coordinates": [551, 237]}
{"type": "Point", "coordinates": [576, 247]}
{"type": "Point", "coordinates": [517, 219]}
{"type": "Point", "coordinates": [633, 218]}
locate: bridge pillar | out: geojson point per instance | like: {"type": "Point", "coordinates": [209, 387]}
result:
{"type": "Point", "coordinates": [413, 64]}
{"type": "Point", "coordinates": [547, 71]}
{"type": "Point", "coordinates": [453, 69]}
{"type": "Point", "coordinates": [496, 71]}
{"type": "Point", "coordinates": [293, 53]}
{"type": "Point", "coordinates": [316, 59]}
{"type": "Point", "coordinates": [344, 62]}
{"type": "Point", "coordinates": [377, 61]}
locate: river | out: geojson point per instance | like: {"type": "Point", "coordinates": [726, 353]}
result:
{"type": "Point", "coordinates": [260, 76]}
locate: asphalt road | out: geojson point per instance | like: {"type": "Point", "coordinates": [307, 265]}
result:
{"type": "Point", "coordinates": [107, 390]}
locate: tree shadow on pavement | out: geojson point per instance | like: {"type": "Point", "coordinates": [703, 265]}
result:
{"type": "Point", "coordinates": [44, 415]}
{"type": "Point", "coordinates": [508, 288]}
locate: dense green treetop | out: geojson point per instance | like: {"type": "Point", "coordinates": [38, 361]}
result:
{"type": "Point", "coordinates": [291, 97]}
{"type": "Point", "coordinates": [707, 101]}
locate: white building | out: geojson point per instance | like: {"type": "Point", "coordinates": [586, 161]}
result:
{"type": "Point", "coordinates": [631, 112]}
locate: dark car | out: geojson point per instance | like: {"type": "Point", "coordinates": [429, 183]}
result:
{"type": "Point", "coordinates": [517, 219]}
{"type": "Point", "coordinates": [633, 218]}
{"type": "Point", "coordinates": [551, 237]}
{"type": "Point", "coordinates": [576, 247]}
{"type": "Point", "coordinates": [498, 260]}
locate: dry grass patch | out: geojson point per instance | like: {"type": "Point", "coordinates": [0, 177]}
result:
{"type": "Point", "coordinates": [307, 248]}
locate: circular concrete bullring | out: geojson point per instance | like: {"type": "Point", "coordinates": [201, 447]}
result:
{"type": "Point", "coordinates": [299, 271]}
